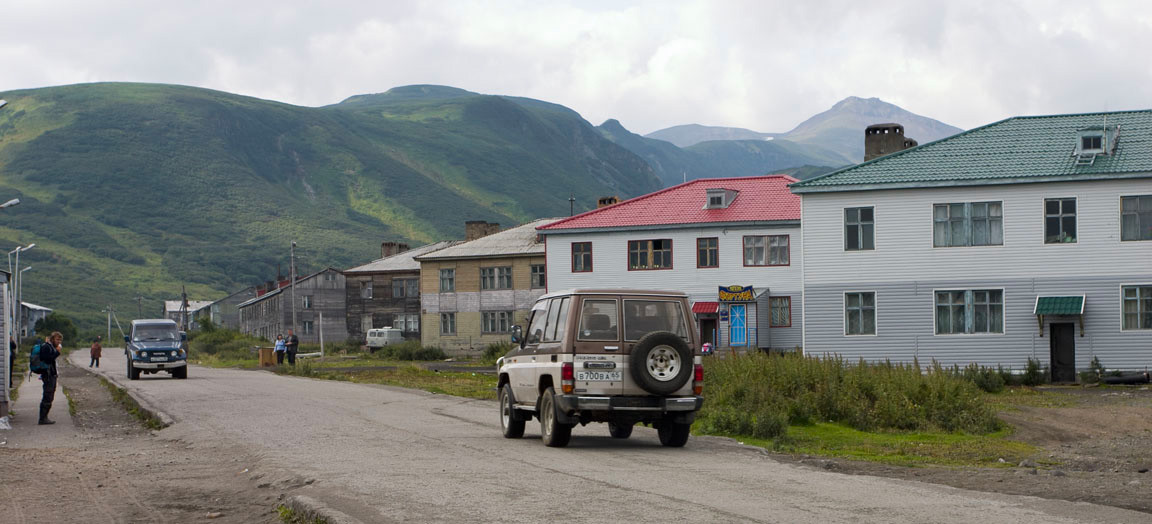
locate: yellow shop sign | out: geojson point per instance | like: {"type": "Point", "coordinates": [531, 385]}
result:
{"type": "Point", "coordinates": [736, 294]}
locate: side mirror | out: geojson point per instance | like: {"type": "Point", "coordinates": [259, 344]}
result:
{"type": "Point", "coordinates": [127, 338]}
{"type": "Point", "coordinates": [517, 334]}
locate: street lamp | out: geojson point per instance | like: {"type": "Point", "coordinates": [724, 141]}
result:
{"type": "Point", "coordinates": [20, 300]}
{"type": "Point", "coordinates": [16, 285]}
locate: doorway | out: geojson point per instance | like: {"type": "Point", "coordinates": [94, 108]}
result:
{"type": "Point", "coordinates": [1063, 344]}
{"type": "Point", "coordinates": [708, 331]}
{"type": "Point", "coordinates": [737, 325]}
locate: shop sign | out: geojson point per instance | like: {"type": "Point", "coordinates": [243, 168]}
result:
{"type": "Point", "coordinates": [723, 315]}
{"type": "Point", "coordinates": [736, 294]}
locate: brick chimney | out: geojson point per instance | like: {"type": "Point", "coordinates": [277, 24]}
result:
{"type": "Point", "coordinates": [474, 229]}
{"type": "Point", "coordinates": [606, 201]}
{"type": "Point", "coordinates": [885, 139]}
{"type": "Point", "coordinates": [388, 249]}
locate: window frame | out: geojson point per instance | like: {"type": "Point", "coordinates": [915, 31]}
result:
{"type": "Point", "coordinates": [1060, 216]}
{"type": "Point", "coordinates": [541, 271]}
{"type": "Point", "coordinates": [451, 322]}
{"type": "Point", "coordinates": [650, 252]}
{"type": "Point", "coordinates": [770, 307]}
{"type": "Point", "coordinates": [581, 254]}
{"type": "Point", "coordinates": [1121, 215]}
{"type": "Point", "coordinates": [307, 327]}
{"type": "Point", "coordinates": [970, 311]}
{"type": "Point", "coordinates": [580, 320]}
{"type": "Point", "coordinates": [767, 250]}
{"type": "Point", "coordinates": [498, 319]}
{"type": "Point", "coordinates": [366, 289]}
{"type": "Point", "coordinates": [860, 223]}
{"type": "Point", "coordinates": [624, 316]}
{"type": "Point", "coordinates": [306, 301]}
{"type": "Point", "coordinates": [451, 288]}
{"type": "Point", "coordinates": [1123, 314]}
{"type": "Point", "coordinates": [500, 275]}
{"type": "Point", "coordinates": [967, 223]}
{"type": "Point", "coordinates": [875, 312]}
{"type": "Point", "coordinates": [715, 249]}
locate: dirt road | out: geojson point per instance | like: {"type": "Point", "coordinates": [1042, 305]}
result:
{"type": "Point", "coordinates": [382, 454]}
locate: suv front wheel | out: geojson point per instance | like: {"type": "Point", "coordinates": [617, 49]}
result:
{"type": "Point", "coordinates": [554, 434]}
{"type": "Point", "coordinates": [511, 426]}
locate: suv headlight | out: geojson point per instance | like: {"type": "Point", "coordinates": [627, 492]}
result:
{"type": "Point", "coordinates": [173, 353]}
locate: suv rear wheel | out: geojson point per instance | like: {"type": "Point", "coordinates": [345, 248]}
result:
{"type": "Point", "coordinates": [511, 426]}
{"type": "Point", "coordinates": [673, 434]}
{"type": "Point", "coordinates": [554, 434]}
{"type": "Point", "coordinates": [661, 362]}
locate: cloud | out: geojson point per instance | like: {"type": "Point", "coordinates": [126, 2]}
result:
{"type": "Point", "coordinates": [650, 64]}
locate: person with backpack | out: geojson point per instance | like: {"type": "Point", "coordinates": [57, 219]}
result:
{"type": "Point", "coordinates": [42, 361]}
{"type": "Point", "coordinates": [95, 352]}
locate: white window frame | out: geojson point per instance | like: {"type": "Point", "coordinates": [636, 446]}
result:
{"type": "Point", "coordinates": [1136, 285]}
{"type": "Point", "coordinates": [1120, 217]}
{"type": "Point", "coordinates": [844, 311]}
{"type": "Point", "coordinates": [968, 310]}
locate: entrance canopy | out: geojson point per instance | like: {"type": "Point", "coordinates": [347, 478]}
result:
{"type": "Point", "coordinates": [705, 307]}
{"type": "Point", "coordinates": [1068, 305]}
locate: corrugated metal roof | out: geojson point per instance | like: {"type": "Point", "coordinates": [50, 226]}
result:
{"type": "Point", "coordinates": [705, 307]}
{"type": "Point", "coordinates": [759, 199]}
{"type": "Point", "coordinates": [193, 305]}
{"type": "Point", "coordinates": [1071, 305]}
{"type": "Point", "coordinates": [405, 261]}
{"type": "Point", "coordinates": [30, 305]}
{"type": "Point", "coordinates": [518, 241]}
{"type": "Point", "coordinates": [1016, 150]}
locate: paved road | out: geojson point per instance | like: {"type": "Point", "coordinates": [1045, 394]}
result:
{"type": "Point", "coordinates": [385, 454]}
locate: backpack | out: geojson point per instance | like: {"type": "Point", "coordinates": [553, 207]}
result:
{"type": "Point", "coordinates": [36, 365]}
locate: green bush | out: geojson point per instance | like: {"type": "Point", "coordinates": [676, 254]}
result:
{"type": "Point", "coordinates": [411, 350]}
{"type": "Point", "coordinates": [1094, 372]}
{"type": "Point", "coordinates": [494, 351]}
{"type": "Point", "coordinates": [1034, 374]}
{"type": "Point", "coordinates": [760, 394]}
{"type": "Point", "coordinates": [224, 341]}
{"type": "Point", "coordinates": [988, 379]}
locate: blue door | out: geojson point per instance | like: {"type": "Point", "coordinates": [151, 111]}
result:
{"type": "Point", "coordinates": [737, 326]}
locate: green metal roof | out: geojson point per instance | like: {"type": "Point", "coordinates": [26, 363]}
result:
{"type": "Point", "coordinates": [1017, 150]}
{"type": "Point", "coordinates": [1073, 305]}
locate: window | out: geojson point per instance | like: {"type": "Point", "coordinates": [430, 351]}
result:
{"type": "Point", "coordinates": [769, 250]}
{"type": "Point", "coordinates": [1137, 307]}
{"type": "Point", "coordinates": [405, 287]}
{"type": "Point", "coordinates": [496, 321]}
{"type": "Point", "coordinates": [366, 289]}
{"type": "Point", "coordinates": [645, 316]}
{"type": "Point", "coordinates": [447, 280]}
{"type": "Point", "coordinates": [649, 254]}
{"type": "Point", "coordinates": [581, 257]}
{"type": "Point", "coordinates": [1059, 220]}
{"type": "Point", "coordinates": [538, 323]}
{"type": "Point", "coordinates": [1090, 142]}
{"type": "Point", "coordinates": [407, 322]}
{"type": "Point", "coordinates": [447, 323]}
{"type": "Point", "coordinates": [859, 229]}
{"type": "Point", "coordinates": [708, 252]}
{"type": "Point", "coordinates": [969, 311]}
{"type": "Point", "coordinates": [557, 320]}
{"type": "Point", "coordinates": [329, 275]}
{"type": "Point", "coordinates": [716, 201]}
{"type": "Point", "coordinates": [1136, 217]}
{"type": "Point", "coordinates": [539, 276]}
{"type": "Point", "coordinates": [307, 327]}
{"type": "Point", "coordinates": [598, 321]}
{"type": "Point", "coordinates": [860, 313]}
{"type": "Point", "coordinates": [307, 301]}
{"type": "Point", "coordinates": [496, 278]}
{"type": "Point", "coordinates": [968, 224]}
{"type": "Point", "coordinates": [781, 311]}
{"type": "Point", "coordinates": [504, 278]}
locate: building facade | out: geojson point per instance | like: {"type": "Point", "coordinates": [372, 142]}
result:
{"type": "Point", "coordinates": [225, 313]}
{"type": "Point", "coordinates": [185, 318]}
{"type": "Point", "coordinates": [473, 293]}
{"type": "Point", "coordinates": [1026, 238]}
{"type": "Point", "coordinates": [386, 291]}
{"type": "Point", "coordinates": [732, 244]}
{"type": "Point", "coordinates": [30, 314]}
{"type": "Point", "coordinates": [320, 310]}
{"type": "Point", "coordinates": [5, 335]}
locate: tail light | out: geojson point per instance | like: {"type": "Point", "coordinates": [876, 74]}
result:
{"type": "Point", "coordinates": [698, 379]}
{"type": "Point", "coordinates": [567, 378]}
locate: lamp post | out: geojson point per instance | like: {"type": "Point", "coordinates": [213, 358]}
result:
{"type": "Point", "coordinates": [20, 300]}
{"type": "Point", "coordinates": [16, 284]}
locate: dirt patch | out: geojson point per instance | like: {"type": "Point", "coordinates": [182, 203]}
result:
{"type": "Point", "coordinates": [1096, 442]}
{"type": "Point", "coordinates": [122, 472]}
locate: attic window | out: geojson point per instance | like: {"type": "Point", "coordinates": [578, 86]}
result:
{"type": "Point", "coordinates": [1092, 143]}
{"type": "Point", "coordinates": [716, 201]}
{"type": "Point", "coordinates": [720, 198]}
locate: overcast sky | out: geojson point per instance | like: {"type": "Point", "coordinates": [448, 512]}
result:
{"type": "Point", "coordinates": [763, 65]}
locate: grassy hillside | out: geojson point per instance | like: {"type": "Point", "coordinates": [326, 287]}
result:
{"type": "Point", "coordinates": [137, 189]}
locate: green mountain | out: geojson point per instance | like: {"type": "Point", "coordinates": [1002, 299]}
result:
{"type": "Point", "coordinates": [691, 134]}
{"type": "Point", "coordinates": [138, 189]}
{"type": "Point", "coordinates": [721, 158]}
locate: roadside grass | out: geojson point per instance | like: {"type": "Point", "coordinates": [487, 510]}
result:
{"type": "Point", "coordinates": [71, 401]}
{"type": "Point", "coordinates": [408, 375]}
{"type": "Point", "coordinates": [290, 516]}
{"type": "Point", "coordinates": [124, 399]}
{"type": "Point", "coordinates": [1014, 398]}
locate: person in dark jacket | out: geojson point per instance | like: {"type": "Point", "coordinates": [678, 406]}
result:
{"type": "Point", "coordinates": [49, 350]}
{"type": "Point", "coordinates": [292, 344]}
{"type": "Point", "coordinates": [95, 352]}
{"type": "Point", "coordinates": [11, 360]}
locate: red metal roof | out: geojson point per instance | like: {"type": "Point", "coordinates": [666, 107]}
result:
{"type": "Point", "coordinates": [760, 198]}
{"type": "Point", "coordinates": [705, 307]}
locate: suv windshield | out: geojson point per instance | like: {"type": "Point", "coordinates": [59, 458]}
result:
{"type": "Point", "coordinates": [154, 333]}
{"type": "Point", "coordinates": [645, 316]}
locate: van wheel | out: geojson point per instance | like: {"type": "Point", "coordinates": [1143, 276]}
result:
{"type": "Point", "coordinates": [674, 434]}
{"type": "Point", "coordinates": [509, 424]}
{"type": "Point", "coordinates": [620, 430]}
{"type": "Point", "coordinates": [554, 434]}
{"type": "Point", "coordinates": [661, 362]}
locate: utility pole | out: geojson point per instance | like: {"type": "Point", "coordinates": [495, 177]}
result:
{"type": "Point", "coordinates": [139, 306]}
{"type": "Point", "coordinates": [108, 310]}
{"type": "Point", "coordinates": [571, 204]}
{"type": "Point", "coordinates": [292, 275]}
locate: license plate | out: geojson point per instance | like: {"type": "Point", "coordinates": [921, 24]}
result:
{"type": "Point", "coordinates": [598, 376]}
{"type": "Point", "coordinates": [159, 359]}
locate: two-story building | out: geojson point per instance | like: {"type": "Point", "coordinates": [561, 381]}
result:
{"type": "Point", "coordinates": [1026, 238]}
{"type": "Point", "coordinates": [472, 293]}
{"type": "Point", "coordinates": [225, 312]}
{"type": "Point", "coordinates": [732, 244]}
{"type": "Point", "coordinates": [320, 309]}
{"type": "Point", "coordinates": [386, 291]}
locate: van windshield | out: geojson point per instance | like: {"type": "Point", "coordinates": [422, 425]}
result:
{"type": "Point", "coordinates": [155, 333]}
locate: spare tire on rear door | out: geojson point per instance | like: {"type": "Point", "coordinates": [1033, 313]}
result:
{"type": "Point", "coordinates": [661, 362]}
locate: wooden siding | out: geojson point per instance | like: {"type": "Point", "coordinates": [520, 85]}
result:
{"type": "Point", "coordinates": [610, 270]}
{"type": "Point", "coordinates": [272, 316]}
{"type": "Point", "coordinates": [382, 306]}
{"type": "Point", "coordinates": [905, 268]}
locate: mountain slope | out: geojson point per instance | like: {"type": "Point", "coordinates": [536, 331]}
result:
{"type": "Point", "coordinates": [692, 134]}
{"type": "Point", "coordinates": [137, 189]}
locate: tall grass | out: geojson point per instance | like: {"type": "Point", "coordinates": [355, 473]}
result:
{"type": "Point", "coordinates": [759, 395]}
{"type": "Point", "coordinates": [410, 350]}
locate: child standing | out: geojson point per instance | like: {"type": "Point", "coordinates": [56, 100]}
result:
{"type": "Point", "coordinates": [95, 353]}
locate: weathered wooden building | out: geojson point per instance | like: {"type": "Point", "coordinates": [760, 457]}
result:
{"type": "Point", "coordinates": [225, 312]}
{"type": "Point", "coordinates": [319, 295]}
{"type": "Point", "coordinates": [386, 291]}
{"type": "Point", "coordinates": [473, 293]}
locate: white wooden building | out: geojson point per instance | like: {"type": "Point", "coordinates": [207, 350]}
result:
{"type": "Point", "coordinates": [732, 244]}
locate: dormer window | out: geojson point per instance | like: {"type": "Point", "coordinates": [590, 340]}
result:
{"type": "Point", "coordinates": [1091, 143]}
{"type": "Point", "coordinates": [720, 198]}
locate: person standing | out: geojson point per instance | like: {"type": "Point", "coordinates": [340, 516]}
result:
{"type": "Point", "coordinates": [279, 349]}
{"type": "Point", "coordinates": [291, 345]}
{"type": "Point", "coordinates": [11, 361]}
{"type": "Point", "coordinates": [49, 350]}
{"type": "Point", "coordinates": [95, 352]}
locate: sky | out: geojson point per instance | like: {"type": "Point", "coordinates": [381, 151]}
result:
{"type": "Point", "coordinates": [759, 64]}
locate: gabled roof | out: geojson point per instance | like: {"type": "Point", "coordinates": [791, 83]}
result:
{"type": "Point", "coordinates": [1021, 149]}
{"type": "Point", "coordinates": [32, 306]}
{"type": "Point", "coordinates": [277, 291]}
{"type": "Point", "coordinates": [405, 261]}
{"type": "Point", "coordinates": [515, 242]}
{"type": "Point", "coordinates": [760, 199]}
{"type": "Point", "coordinates": [193, 305]}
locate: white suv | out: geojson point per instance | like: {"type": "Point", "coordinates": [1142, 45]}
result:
{"type": "Point", "coordinates": [617, 356]}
